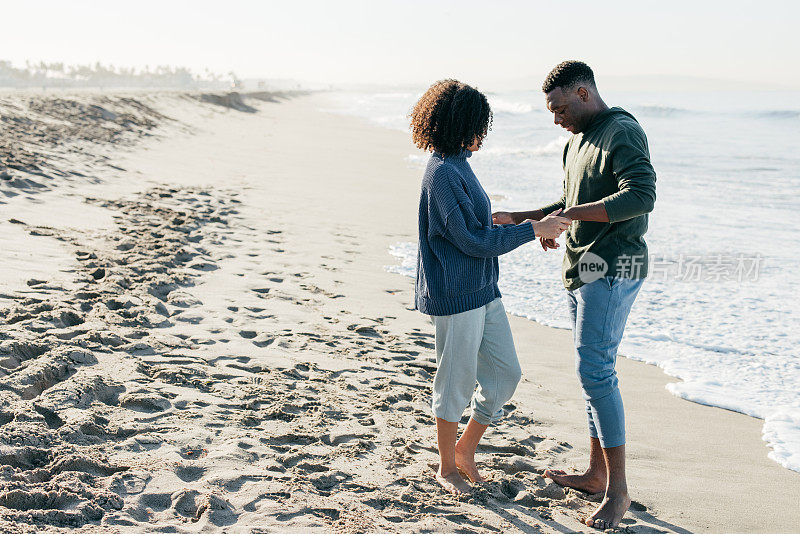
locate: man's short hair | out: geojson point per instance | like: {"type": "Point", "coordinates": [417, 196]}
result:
{"type": "Point", "coordinates": [568, 73]}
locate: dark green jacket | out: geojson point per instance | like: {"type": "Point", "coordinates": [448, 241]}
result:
{"type": "Point", "coordinates": [609, 161]}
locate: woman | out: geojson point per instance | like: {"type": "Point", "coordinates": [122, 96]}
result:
{"type": "Point", "coordinates": [457, 272]}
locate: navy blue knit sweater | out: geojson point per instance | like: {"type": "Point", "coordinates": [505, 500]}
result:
{"type": "Point", "coordinates": [457, 267]}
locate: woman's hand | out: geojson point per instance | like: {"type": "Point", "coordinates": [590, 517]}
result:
{"type": "Point", "coordinates": [548, 243]}
{"type": "Point", "coordinates": [551, 226]}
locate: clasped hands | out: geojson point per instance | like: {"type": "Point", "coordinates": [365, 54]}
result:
{"type": "Point", "coordinates": [548, 228]}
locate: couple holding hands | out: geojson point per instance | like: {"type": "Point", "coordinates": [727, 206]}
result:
{"type": "Point", "coordinates": [609, 188]}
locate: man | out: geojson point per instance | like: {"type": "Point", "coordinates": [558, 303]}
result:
{"type": "Point", "coordinates": [609, 188]}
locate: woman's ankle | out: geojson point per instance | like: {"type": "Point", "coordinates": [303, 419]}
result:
{"type": "Point", "coordinates": [448, 468]}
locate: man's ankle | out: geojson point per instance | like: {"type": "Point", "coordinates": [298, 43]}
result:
{"type": "Point", "coordinates": [612, 492]}
{"type": "Point", "coordinates": [598, 475]}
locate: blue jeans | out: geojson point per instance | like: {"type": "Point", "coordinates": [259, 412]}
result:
{"type": "Point", "coordinates": [598, 312]}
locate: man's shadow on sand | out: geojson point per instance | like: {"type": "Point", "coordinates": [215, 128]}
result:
{"type": "Point", "coordinates": [643, 522]}
{"type": "Point", "coordinates": [647, 523]}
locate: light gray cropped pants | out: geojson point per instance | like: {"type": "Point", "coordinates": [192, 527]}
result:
{"type": "Point", "coordinates": [474, 346]}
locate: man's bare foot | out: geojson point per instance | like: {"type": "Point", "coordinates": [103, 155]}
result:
{"type": "Point", "coordinates": [465, 461]}
{"type": "Point", "coordinates": [610, 511]}
{"type": "Point", "coordinates": [453, 483]}
{"type": "Point", "coordinates": [588, 482]}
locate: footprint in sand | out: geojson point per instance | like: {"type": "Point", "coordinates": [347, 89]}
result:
{"type": "Point", "coordinates": [189, 473]}
{"type": "Point", "coordinates": [144, 402]}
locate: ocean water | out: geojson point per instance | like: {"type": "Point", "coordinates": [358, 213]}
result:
{"type": "Point", "coordinates": [719, 311]}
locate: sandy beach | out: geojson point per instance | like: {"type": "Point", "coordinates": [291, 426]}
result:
{"type": "Point", "coordinates": [199, 335]}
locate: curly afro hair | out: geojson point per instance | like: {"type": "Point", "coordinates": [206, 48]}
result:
{"type": "Point", "coordinates": [567, 74]}
{"type": "Point", "coordinates": [449, 116]}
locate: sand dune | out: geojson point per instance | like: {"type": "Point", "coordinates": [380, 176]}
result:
{"type": "Point", "coordinates": [42, 135]}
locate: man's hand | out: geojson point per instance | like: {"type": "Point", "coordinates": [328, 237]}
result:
{"type": "Point", "coordinates": [548, 243]}
{"type": "Point", "coordinates": [551, 226]}
{"type": "Point", "coordinates": [502, 217]}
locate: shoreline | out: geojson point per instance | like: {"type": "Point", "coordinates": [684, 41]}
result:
{"type": "Point", "coordinates": [717, 423]}
{"type": "Point", "coordinates": [728, 343]}
{"type": "Point", "coordinates": [278, 377]}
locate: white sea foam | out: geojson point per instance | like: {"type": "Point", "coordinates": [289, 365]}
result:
{"type": "Point", "coordinates": [501, 105]}
{"type": "Point", "coordinates": [407, 254]}
{"type": "Point", "coordinates": [552, 148]}
{"type": "Point", "coordinates": [782, 432]}
{"type": "Point", "coordinates": [732, 343]}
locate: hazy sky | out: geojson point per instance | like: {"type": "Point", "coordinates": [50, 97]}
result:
{"type": "Point", "coordinates": [489, 43]}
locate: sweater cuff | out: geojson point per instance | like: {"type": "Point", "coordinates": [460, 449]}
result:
{"type": "Point", "coordinates": [525, 232]}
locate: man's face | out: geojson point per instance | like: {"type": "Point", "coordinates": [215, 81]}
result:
{"type": "Point", "coordinates": [568, 108]}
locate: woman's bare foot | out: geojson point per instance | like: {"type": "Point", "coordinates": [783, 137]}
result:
{"type": "Point", "coordinates": [453, 483]}
{"type": "Point", "coordinates": [589, 482]}
{"type": "Point", "coordinates": [465, 461]}
{"type": "Point", "coordinates": [610, 511]}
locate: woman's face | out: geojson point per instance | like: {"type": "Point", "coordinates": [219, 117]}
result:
{"type": "Point", "coordinates": [476, 144]}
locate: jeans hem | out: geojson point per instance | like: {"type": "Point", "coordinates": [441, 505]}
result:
{"type": "Point", "coordinates": [616, 441]}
